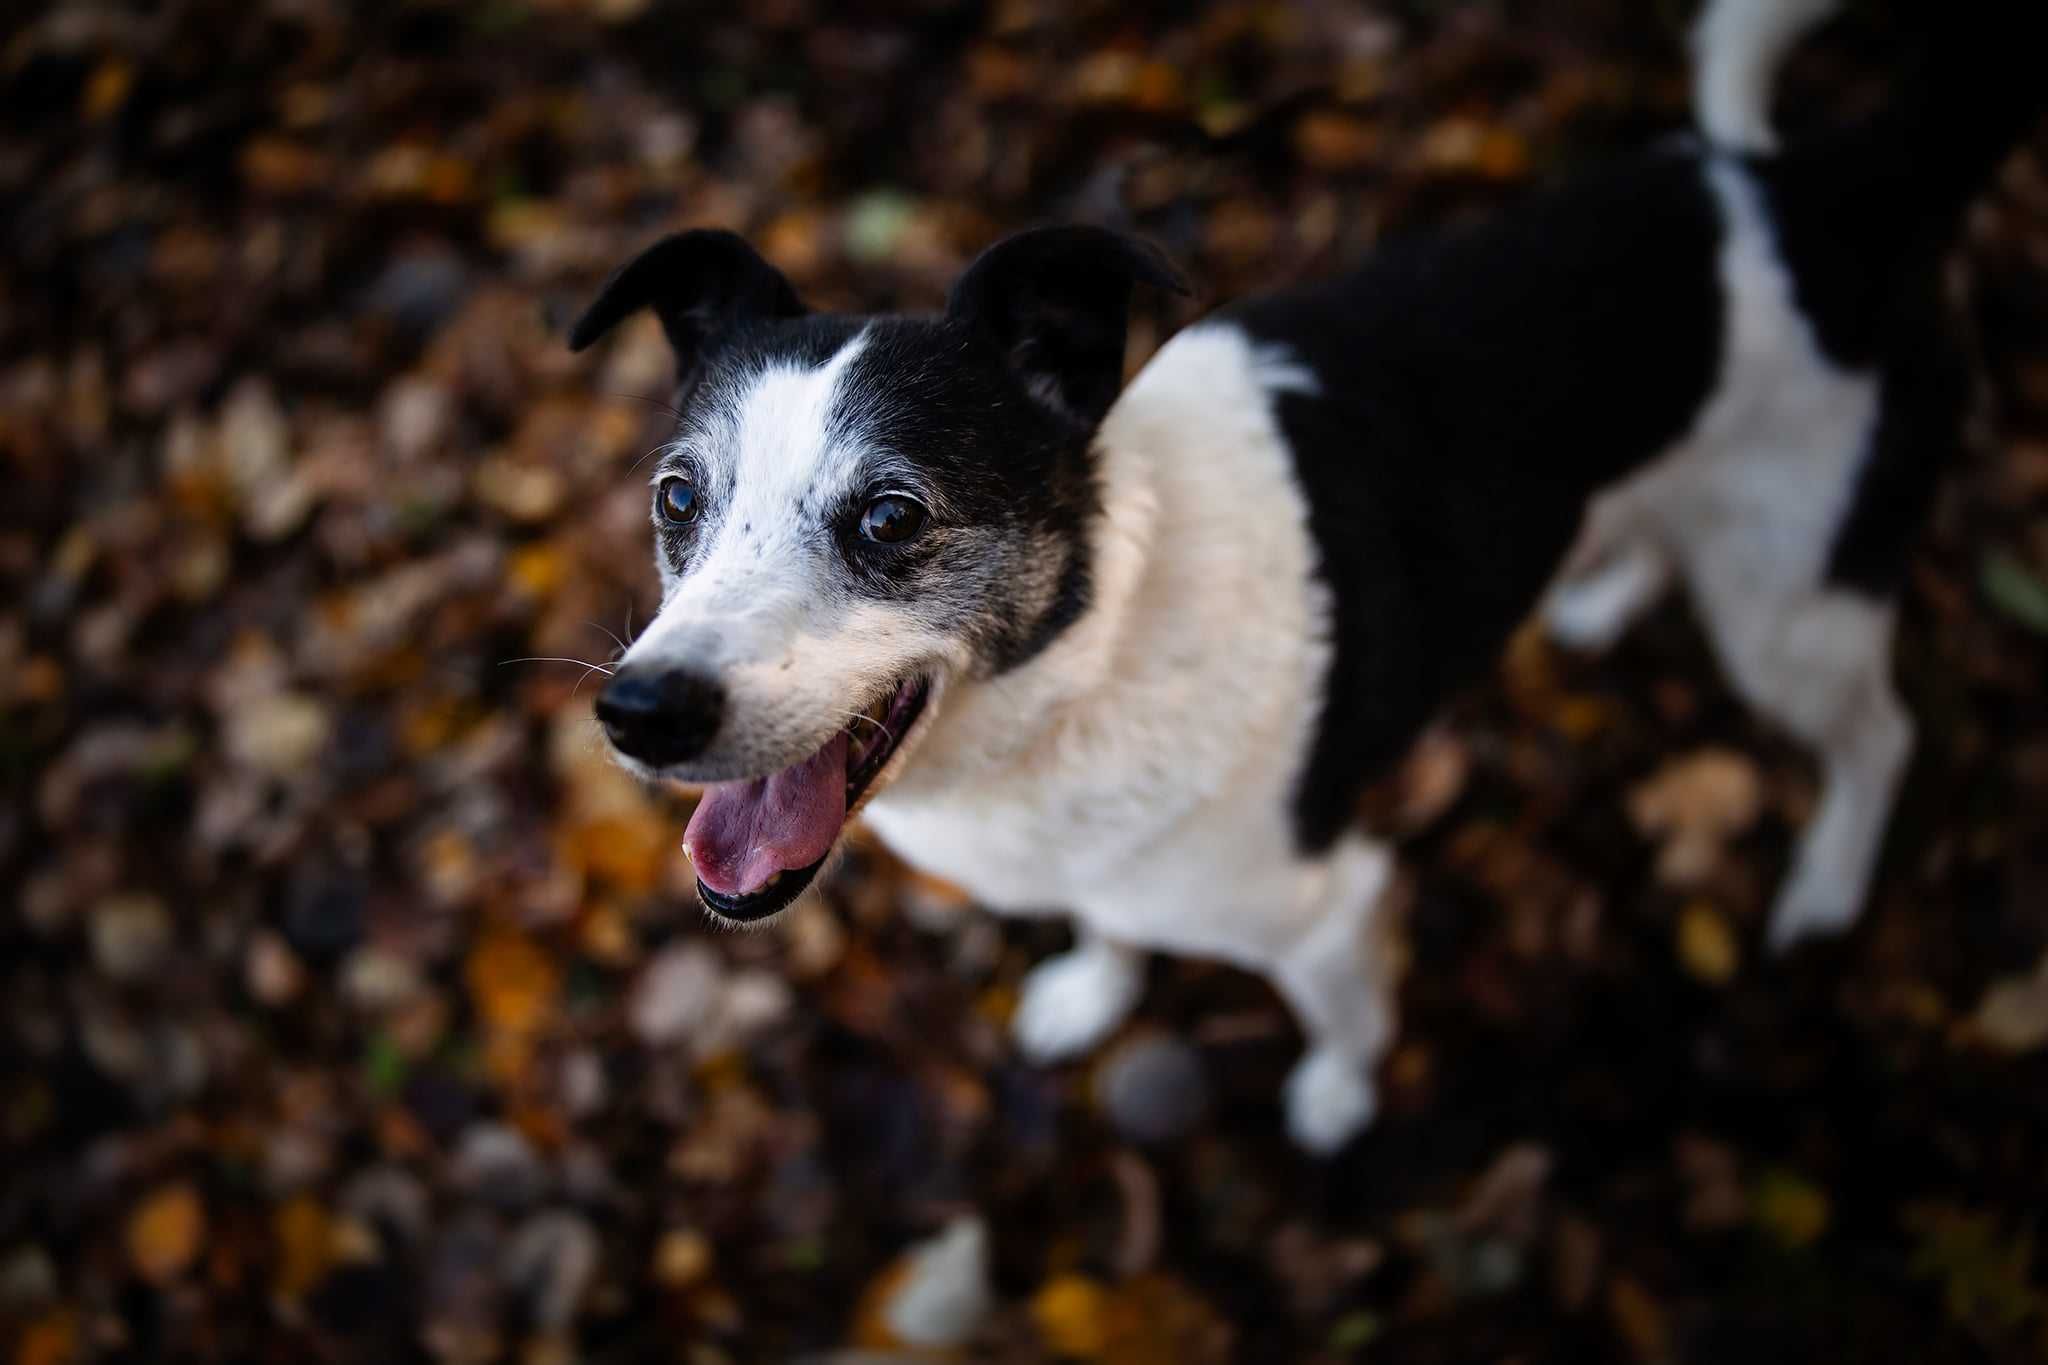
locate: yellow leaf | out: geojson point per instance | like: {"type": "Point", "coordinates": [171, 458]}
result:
{"type": "Point", "coordinates": [682, 1257]}
{"type": "Point", "coordinates": [164, 1233]}
{"type": "Point", "coordinates": [627, 850]}
{"type": "Point", "coordinates": [1792, 1210]}
{"type": "Point", "coordinates": [1706, 944]}
{"type": "Point", "coordinates": [538, 570]}
{"type": "Point", "coordinates": [606, 936]}
{"type": "Point", "coordinates": [1068, 1312]}
{"type": "Point", "coordinates": [305, 1245]}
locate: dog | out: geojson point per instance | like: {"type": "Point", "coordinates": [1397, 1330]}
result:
{"type": "Point", "coordinates": [1133, 653]}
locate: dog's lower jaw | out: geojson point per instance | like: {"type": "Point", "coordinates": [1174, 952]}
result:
{"type": "Point", "coordinates": [780, 893]}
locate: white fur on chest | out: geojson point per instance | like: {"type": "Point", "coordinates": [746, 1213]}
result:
{"type": "Point", "coordinates": [1140, 771]}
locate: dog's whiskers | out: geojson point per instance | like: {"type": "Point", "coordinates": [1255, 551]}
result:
{"type": "Point", "coordinates": [584, 664]}
{"type": "Point", "coordinates": [663, 404]}
{"type": "Point", "coordinates": [651, 450]}
{"type": "Point", "coordinates": [608, 635]}
{"type": "Point", "coordinates": [862, 715]}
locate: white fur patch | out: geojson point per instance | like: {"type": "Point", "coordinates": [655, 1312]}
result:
{"type": "Point", "coordinates": [1750, 500]}
{"type": "Point", "coordinates": [1748, 507]}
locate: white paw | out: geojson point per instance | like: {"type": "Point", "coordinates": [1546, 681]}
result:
{"type": "Point", "coordinates": [1072, 1002]}
{"type": "Point", "coordinates": [1330, 1100]}
{"type": "Point", "coordinates": [1815, 903]}
{"type": "Point", "coordinates": [1592, 611]}
{"type": "Point", "coordinates": [1583, 617]}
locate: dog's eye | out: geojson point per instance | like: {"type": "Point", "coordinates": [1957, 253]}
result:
{"type": "Point", "coordinates": [678, 500]}
{"type": "Point", "coordinates": [891, 520]}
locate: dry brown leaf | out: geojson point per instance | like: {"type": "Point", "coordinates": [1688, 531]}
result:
{"type": "Point", "coordinates": [2013, 1015]}
{"type": "Point", "coordinates": [512, 981]}
{"type": "Point", "coordinates": [1695, 804]}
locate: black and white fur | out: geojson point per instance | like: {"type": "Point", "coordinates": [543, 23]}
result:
{"type": "Point", "coordinates": [1172, 633]}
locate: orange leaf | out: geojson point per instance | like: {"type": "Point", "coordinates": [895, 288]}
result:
{"type": "Point", "coordinates": [512, 981]}
{"type": "Point", "coordinates": [164, 1233]}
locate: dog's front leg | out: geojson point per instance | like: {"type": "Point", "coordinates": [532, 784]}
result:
{"type": "Point", "coordinates": [1340, 981]}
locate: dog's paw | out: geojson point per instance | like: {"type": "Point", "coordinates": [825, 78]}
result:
{"type": "Point", "coordinates": [1813, 904]}
{"type": "Point", "coordinates": [1330, 1100]}
{"type": "Point", "coordinates": [1072, 1002]}
{"type": "Point", "coordinates": [1590, 612]}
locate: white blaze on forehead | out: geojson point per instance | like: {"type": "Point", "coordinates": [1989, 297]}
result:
{"type": "Point", "coordinates": [782, 448]}
{"type": "Point", "coordinates": [772, 465]}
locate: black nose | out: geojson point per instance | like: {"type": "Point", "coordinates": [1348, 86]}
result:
{"type": "Point", "coordinates": [660, 716]}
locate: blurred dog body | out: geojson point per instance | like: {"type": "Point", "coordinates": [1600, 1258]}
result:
{"type": "Point", "coordinates": [1134, 657]}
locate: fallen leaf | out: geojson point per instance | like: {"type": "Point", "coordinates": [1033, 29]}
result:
{"type": "Point", "coordinates": [1706, 944]}
{"type": "Point", "coordinates": [1986, 1275]}
{"type": "Point", "coordinates": [1694, 804]}
{"type": "Point", "coordinates": [1068, 1311]}
{"type": "Point", "coordinates": [1790, 1209]}
{"type": "Point", "coordinates": [305, 1246]}
{"type": "Point", "coordinates": [1640, 1320]}
{"type": "Point", "coordinates": [2015, 589]}
{"type": "Point", "coordinates": [1712, 1173]}
{"type": "Point", "coordinates": [2013, 1016]}
{"type": "Point", "coordinates": [52, 1339]}
{"type": "Point", "coordinates": [165, 1232]}
{"type": "Point", "coordinates": [512, 981]}
{"type": "Point", "coordinates": [682, 1258]}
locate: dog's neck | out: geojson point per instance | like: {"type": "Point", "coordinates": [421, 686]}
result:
{"type": "Point", "coordinates": [1193, 675]}
{"type": "Point", "coordinates": [993, 722]}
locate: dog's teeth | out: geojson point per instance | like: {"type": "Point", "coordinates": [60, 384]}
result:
{"type": "Point", "coordinates": [769, 885]}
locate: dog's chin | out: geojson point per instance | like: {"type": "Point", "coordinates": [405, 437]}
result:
{"type": "Point", "coordinates": [895, 724]}
{"type": "Point", "coordinates": [752, 911]}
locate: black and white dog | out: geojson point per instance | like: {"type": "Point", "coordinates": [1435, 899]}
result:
{"type": "Point", "coordinates": [1135, 652]}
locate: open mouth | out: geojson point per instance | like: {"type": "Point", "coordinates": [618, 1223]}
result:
{"type": "Point", "coordinates": [757, 844]}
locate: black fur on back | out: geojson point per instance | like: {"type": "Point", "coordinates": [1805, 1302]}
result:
{"type": "Point", "coordinates": [1475, 392]}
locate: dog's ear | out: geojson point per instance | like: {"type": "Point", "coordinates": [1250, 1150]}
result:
{"type": "Point", "coordinates": [1057, 302]}
{"type": "Point", "coordinates": [698, 283]}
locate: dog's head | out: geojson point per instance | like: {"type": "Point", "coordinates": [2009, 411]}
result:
{"type": "Point", "coordinates": [854, 513]}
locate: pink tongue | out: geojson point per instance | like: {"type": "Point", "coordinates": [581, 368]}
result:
{"type": "Point", "coordinates": [745, 832]}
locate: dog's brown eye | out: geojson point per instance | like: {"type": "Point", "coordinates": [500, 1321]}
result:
{"type": "Point", "coordinates": [891, 520]}
{"type": "Point", "coordinates": [678, 499]}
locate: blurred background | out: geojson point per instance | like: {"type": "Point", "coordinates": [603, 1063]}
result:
{"type": "Point", "coordinates": [353, 1008]}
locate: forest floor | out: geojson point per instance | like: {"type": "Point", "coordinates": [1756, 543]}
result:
{"type": "Point", "coordinates": [358, 1009]}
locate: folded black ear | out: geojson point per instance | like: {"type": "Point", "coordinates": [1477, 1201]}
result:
{"type": "Point", "coordinates": [1057, 300]}
{"type": "Point", "coordinates": [698, 283]}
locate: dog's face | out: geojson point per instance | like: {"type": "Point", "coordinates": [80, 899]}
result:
{"type": "Point", "coordinates": [853, 515]}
